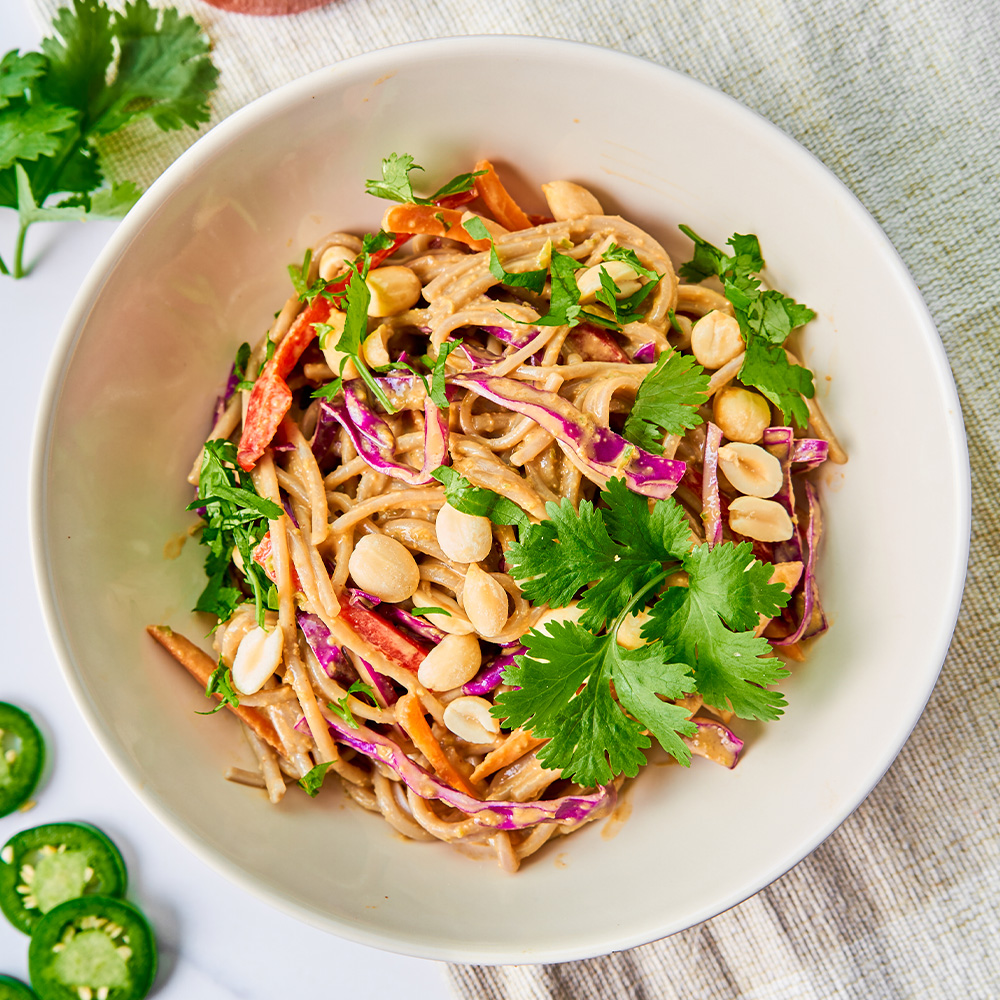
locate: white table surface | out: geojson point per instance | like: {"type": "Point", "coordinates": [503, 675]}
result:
{"type": "Point", "coordinates": [216, 941]}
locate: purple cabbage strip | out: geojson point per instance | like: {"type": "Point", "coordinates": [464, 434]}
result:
{"type": "Point", "coordinates": [420, 626]}
{"type": "Point", "coordinates": [645, 355]}
{"type": "Point", "coordinates": [570, 809]}
{"type": "Point", "coordinates": [780, 442]}
{"type": "Point", "coordinates": [383, 685]}
{"type": "Point", "coordinates": [810, 452]}
{"type": "Point", "coordinates": [288, 510]}
{"type": "Point", "coordinates": [711, 503]}
{"type": "Point", "coordinates": [227, 394]}
{"type": "Point", "coordinates": [334, 661]}
{"type": "Point", "coordinates": [508, 337]}
{"type": "Point", "coordinates": [478, 356]}
{"type": "Point", "coordinates": [374, 440]}
{"type": "Point", "coordinates": [608, 454]}
{"type": "Point", "coordinates": [813, 620]}
{"type": "Point", "coordinates": [326, 433]}
{"type": "Point", "coordinates": [361, 598]}
{"type": "Point", "coordinates": [491, 676]}
{"type": "Point", "coordinates": [329, 655]}
{"type": "Point", "coordinates": [727, 745]}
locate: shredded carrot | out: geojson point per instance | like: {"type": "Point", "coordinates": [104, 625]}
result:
{"type": "Point", "coordinates": [430, 220]}
{"type": "Point", "coordinates": [515, 746]}
{"type": "Point", "coordinates": [502, 206]}
{"type": "Point", "coordinates": [410, 715]}
{"type": "Point", "coordinates": [201, 666]}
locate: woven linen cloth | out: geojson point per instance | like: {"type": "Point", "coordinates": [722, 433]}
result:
{"type": "Point", "coordinates": [901, 99]}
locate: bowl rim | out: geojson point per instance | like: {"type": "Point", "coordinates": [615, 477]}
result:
{"type": "Point", "coordinates": [292, 93]}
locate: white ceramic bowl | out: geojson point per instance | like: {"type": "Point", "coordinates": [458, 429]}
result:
{"type": "Point", "coordinates": [199, 265]}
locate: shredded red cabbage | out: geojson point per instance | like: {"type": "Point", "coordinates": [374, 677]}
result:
{"type": "Point", "coordinates": [491, 675]}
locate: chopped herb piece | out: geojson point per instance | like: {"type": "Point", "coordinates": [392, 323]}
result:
{"type": "Point", "coordinates": [429, 611]}
{"type": "Point", "coordinates": [766, 318]}
{"type": "Point", "coordinates": [220, 682]}
{"type": "Point", "coordinates": [534, 281]}
{"type": "Point", "coordinates": [396, 185]}
{"type": "Point", "coordinates": [342, 709]}
{"type": "Point", "coordinates": [312, 781]}
{"type": "Point", "coordinates": [667, 401]}
{"type": "Point", "coordinates": [476, 500]}
{"type": "Point", "coordinates": [438, 390]}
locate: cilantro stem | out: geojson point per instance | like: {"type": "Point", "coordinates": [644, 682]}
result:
{"type": "Point", "coordinates": [369, 381]}
{"type": "Point", "coordinates": [3, 267]}
{"type": "Point", "coordinates": [22, 231]}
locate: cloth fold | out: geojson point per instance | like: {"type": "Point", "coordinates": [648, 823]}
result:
{"type": "Point", "coordinates": [901, 99]}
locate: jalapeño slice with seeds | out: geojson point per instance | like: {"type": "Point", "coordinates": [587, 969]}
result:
{"type": "Point", "coordinates": [14, 989]}
{"type": "Point", "coordinates": [92, 948]}
{"type": "Point", "coordinates": [22, 754]}
{"type": "Point", "coordinates": [48, 865]}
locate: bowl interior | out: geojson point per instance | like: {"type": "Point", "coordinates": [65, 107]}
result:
{"type": "Point", "coordinates": [199, 266]}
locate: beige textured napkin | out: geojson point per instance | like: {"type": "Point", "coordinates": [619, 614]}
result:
{"type": "Point", "coordinates": [901, 99]}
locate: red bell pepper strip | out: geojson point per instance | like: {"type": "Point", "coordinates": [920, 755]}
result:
{"type": "Point", "coordinates": [387, 639]}
{"type": "Point", "coordinates": [262, 554]}
{"type": "Point", "coordinates": [271, 398]}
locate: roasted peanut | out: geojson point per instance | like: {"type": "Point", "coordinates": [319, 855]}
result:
{"type": "Point", "coordinates": [485, 602]}
{"type": "Point", "coordinates": [751, 469]}
{"type": "Point", "coordinates": [715, 340]}
{"type": "Point", "coordinates": [452, 662]}
{"type": "Point", "coordinates": [335, 261]}
{"type": "Point", "coordinates": [469, 719]}
{"type": "Point", "coordinates": [567, 200]}
{"type": "Point", "coordinates": [764, 520]}
{"type": "Point", "coordinates": [743, 415]}
{"type": "Point", "coordinates": [258, 657]}
{"type": "Point", "coordinates": [465, 538]}
{"type": "Point", "coordinates": [623, 275]}
{"type": "Point", "coordinates": [394, 289]}
{"type": "Point", "coordinates": [384, 567]}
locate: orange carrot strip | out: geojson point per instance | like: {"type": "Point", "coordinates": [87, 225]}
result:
{"type": "Point", "coordinates": [430, 220]}
{"type": "Point", "coordinates": [410, 715]}
{"type": "Point", "coordinates": [502, 207]}
{"type": "Point", "coordinates": [515, 746]}
{"type": "Point", "coordinates": [201, 666]}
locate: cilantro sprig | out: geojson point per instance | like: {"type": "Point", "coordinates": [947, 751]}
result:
{"type": "Point", "coordinates": [100, 72]}
{"type": "Point", "coordinates": [395, 184]}
{"type": "Point", "coordinates": [667, 401]}
{"type": "Point", "coordinates": [766, 319]}
{"type": "Point", "coordinates": [592, 699]}
{"type": "Point", "coordinates": [220, 682]}
{"type": "Point", "coordinates": [342, 707]}
{"type": "Point", "coordinates": [235, 516]}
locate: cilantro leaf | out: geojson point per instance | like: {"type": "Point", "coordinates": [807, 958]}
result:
{"type": "Point", "coordinates": [477, 500]}
{"type": "Point", "coordinates": [430, 611]}
{"type": "Point", "coordinates": [18, 72]}
{"type": "Point", "coordinates": [563, 694]}
{"type": "Point", "coordinates": [532, 280]}
{"type": "Point", "coordinates": [312, 781]}
{"type": "Point", "coordinates": [234, 517]}
{"type": "Point", "coordinates": [395, 184]}
{"type": "Point", "coordinates": [28, 131]}
{"type": "Point", "coordinates": [661, 534]}
{"type": "Point", "coordinates": [727, 587]}
{"type": "Point", "coordinates": [220, 682]}
{"type": "Point", "coordinates": [438, 390]}
{"type": "Point", "coordinates": [667, 401]}
{"type": "Point", "coordinates": [564, 302]}
{"type": "Point", "coordinates": [765, 318]}
{"type": "Point", "coordinates": [342, 708]}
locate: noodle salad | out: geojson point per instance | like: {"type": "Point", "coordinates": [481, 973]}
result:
{"type": "Point", "coordinates": [499, 501]}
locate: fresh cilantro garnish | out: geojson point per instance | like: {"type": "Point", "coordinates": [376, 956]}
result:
{"type": "Point", "coordinates": [478, 501]}
{"type": "Point", "coordinates": [220, 682]}
{"type": "Point", "coordinates": [534, 281]}
{"type": "Point", "coordinates": [667, 401]}
{"type": "Point", "coordinates": [615, 560]}
{"type": "Point", "coordinates": [312, 781]}
{"type": "Point", "coordinates": [98, 73]}
{"type": "Point", "coordinates": [766, 319]}
{"type": "Point", "coordinates": [329, 390]}
{"type": "Point", "coordinates": [438, 391]}
{"type": "Point", "coordinates": [240, 363]}
{"type": "Point", "coordinates": [429, 611]}
{"type": "Point", "coordinates": [625, 310]}
{"type": "Point", "coordinates": [342, 708]}
{"type": "Point", "coordinates": [396, 185]}
{"type": "Point", "coordinates": [235, 517]}
{"type": "Point", "coordinates": [299, 273]}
